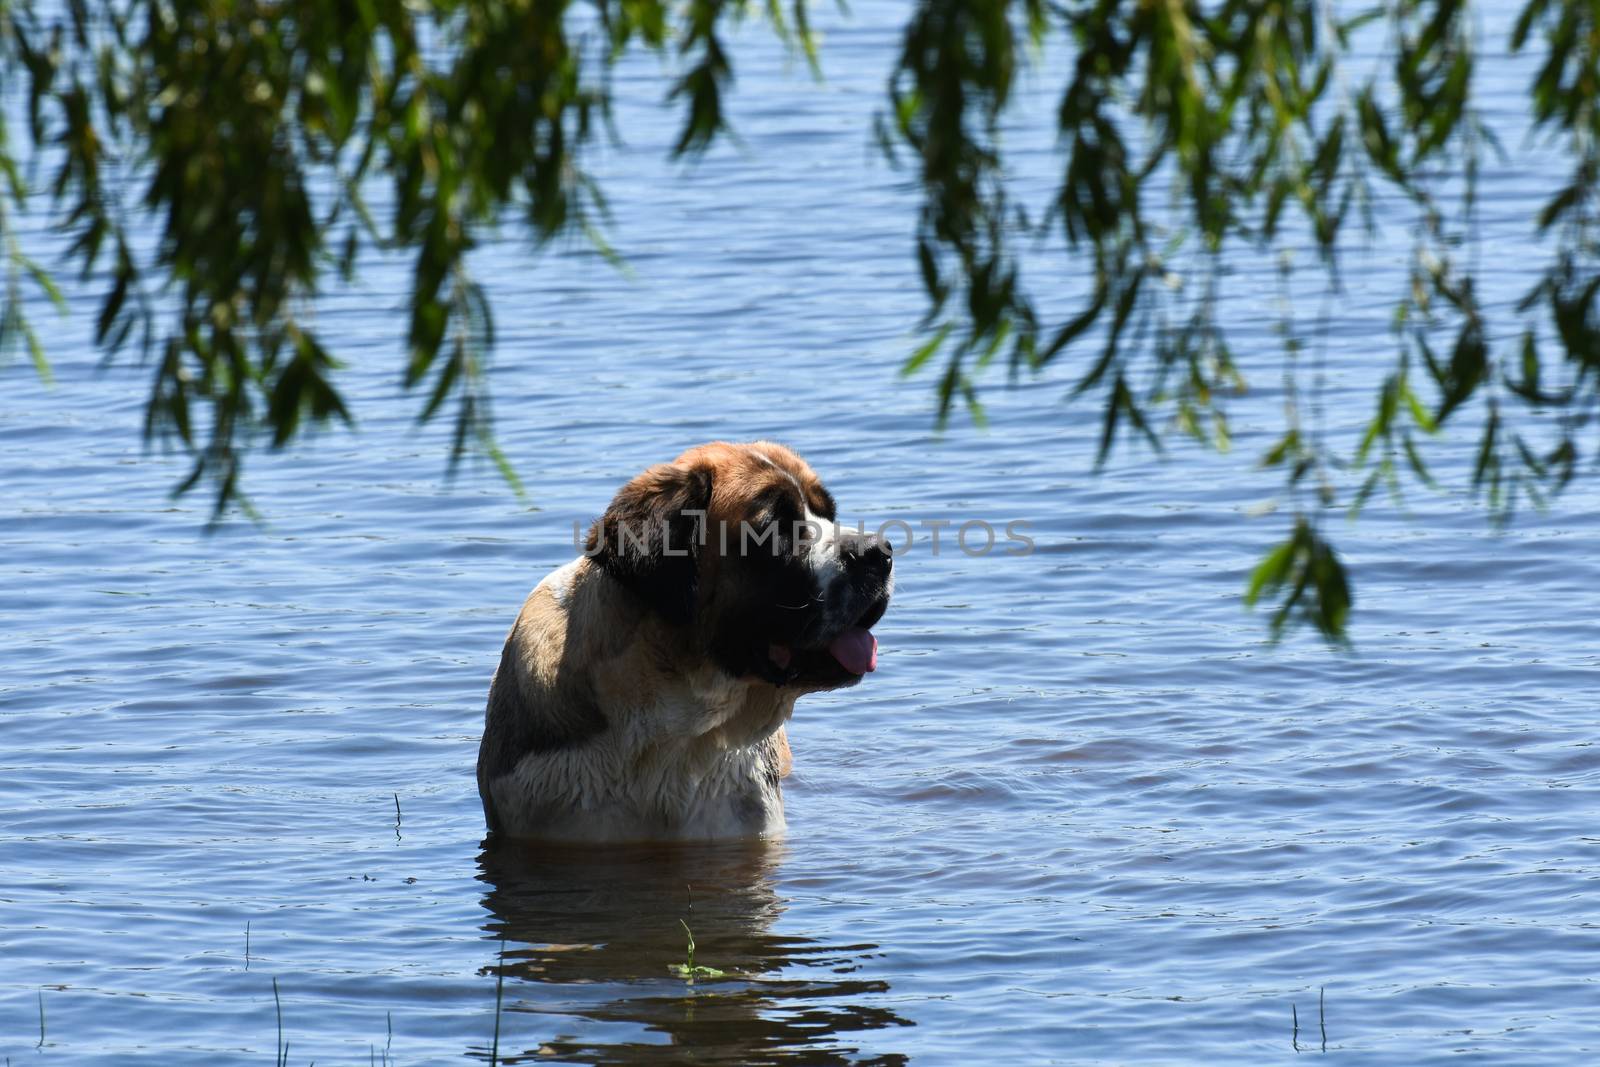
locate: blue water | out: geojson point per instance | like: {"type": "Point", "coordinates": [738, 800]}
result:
{"type": "Point", "coordinates": [1083, 812]}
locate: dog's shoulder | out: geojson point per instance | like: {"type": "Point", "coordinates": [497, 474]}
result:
{"type": "Point", "coordinates": [541, 699]}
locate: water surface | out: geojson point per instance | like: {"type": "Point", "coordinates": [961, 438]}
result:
{"type": "Point", "coordinates": [1082, 813]}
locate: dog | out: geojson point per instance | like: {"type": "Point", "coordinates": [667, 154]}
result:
{"type": "Point", "coordinates": [643, 690]}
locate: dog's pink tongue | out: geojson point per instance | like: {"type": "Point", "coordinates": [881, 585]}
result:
{"type": "Point", "coordinates": [856, 650]}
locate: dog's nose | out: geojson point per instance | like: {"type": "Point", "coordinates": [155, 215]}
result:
{"type": "Point", "coordinates": [871, 549]}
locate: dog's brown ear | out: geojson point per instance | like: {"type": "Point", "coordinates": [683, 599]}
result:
{"type": "Point", "coordinates": [649, 538]}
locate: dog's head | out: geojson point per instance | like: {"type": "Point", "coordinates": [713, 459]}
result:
{"type": "Point", "coordinates": [737, 545]}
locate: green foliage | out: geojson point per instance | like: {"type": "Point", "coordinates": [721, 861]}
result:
{"type": "Point", "coordinates": [1308, 574]}
{"type": "Point", "coordinates": [219, 118]}
{"type": "Point", "coordinates": [1253, 110]}
{"type": "Point", "coordinates": [688, 968]}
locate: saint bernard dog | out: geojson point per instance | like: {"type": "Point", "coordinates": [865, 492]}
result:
{"type": "Point", "coordinates": [643, 691]}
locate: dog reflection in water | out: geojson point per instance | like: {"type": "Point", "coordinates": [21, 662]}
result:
{"type": "Point", "coordinates": [592, 936]}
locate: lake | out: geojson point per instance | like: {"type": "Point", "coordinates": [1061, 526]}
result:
{"type": "Point", "coordinates": [1084, 812]}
